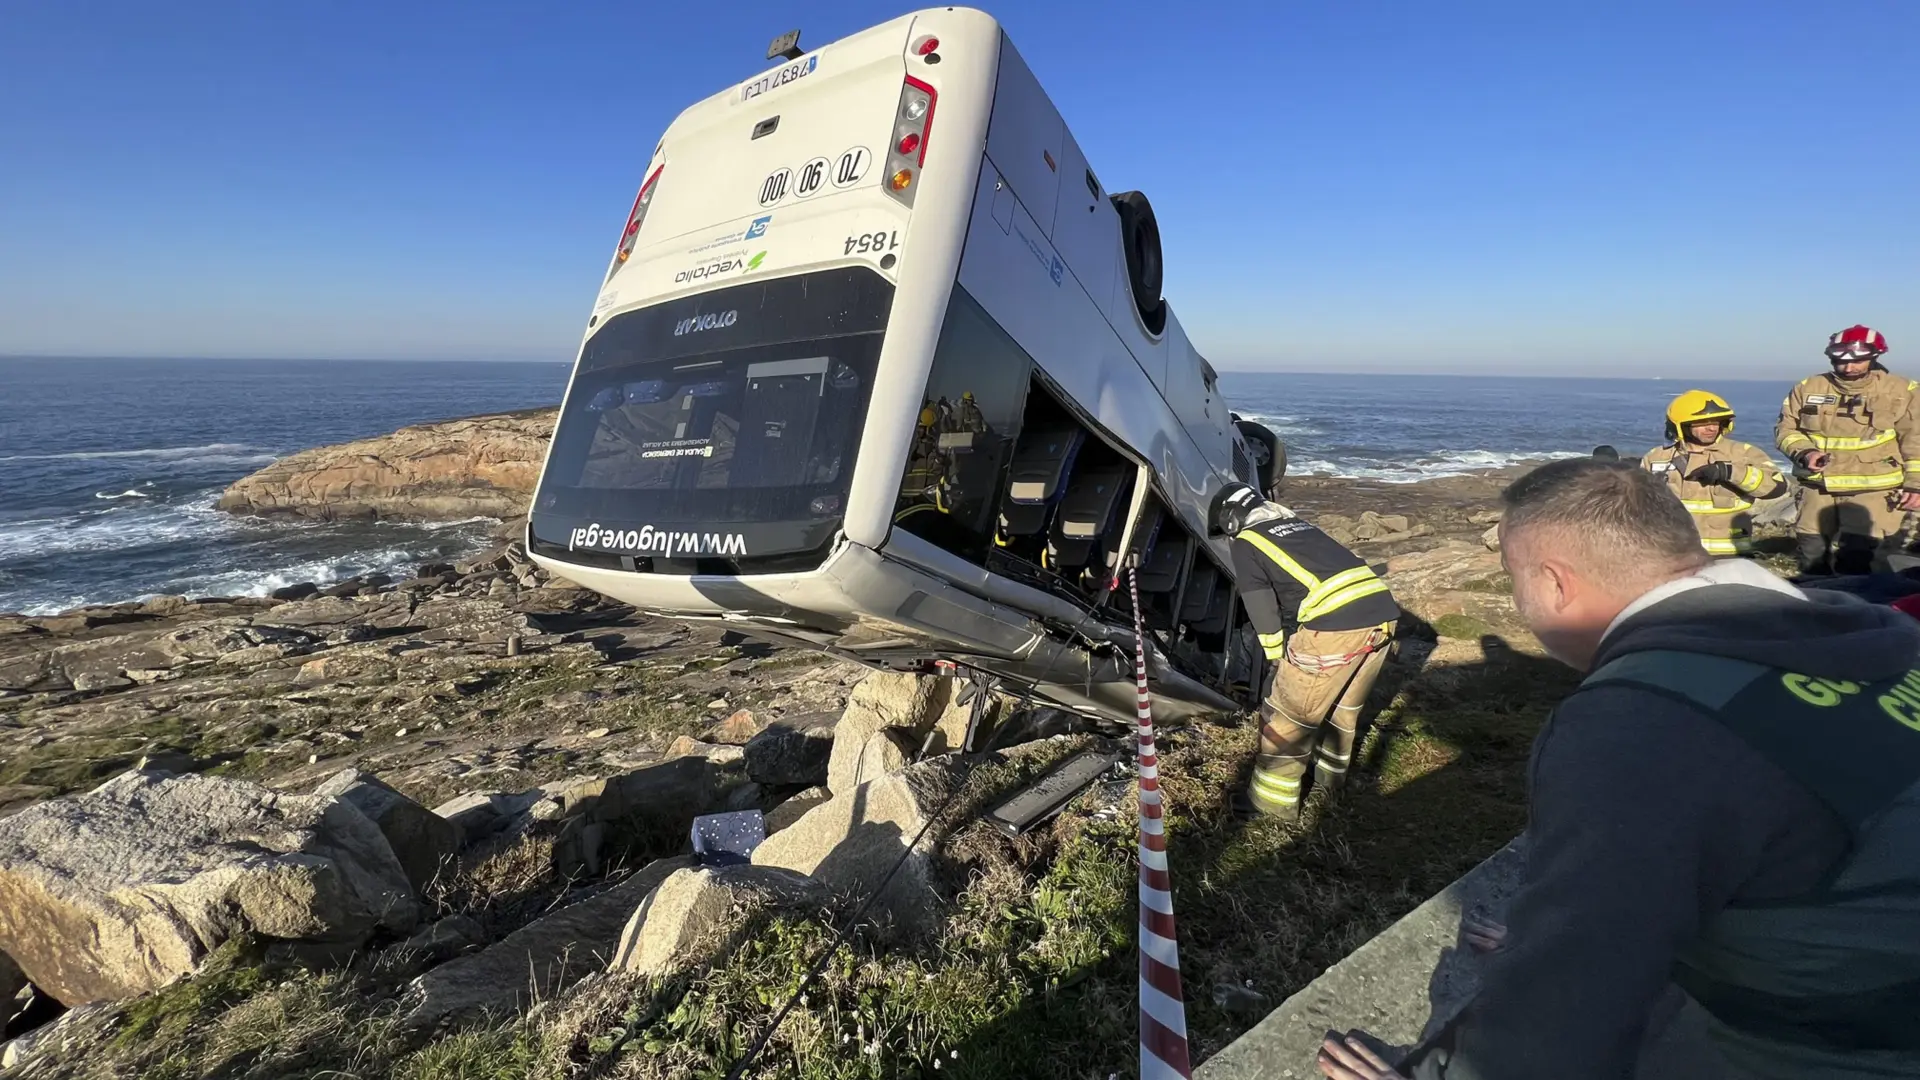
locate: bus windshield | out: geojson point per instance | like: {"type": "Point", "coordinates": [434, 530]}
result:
{"type": "Point", "coordinates": [737, 411]}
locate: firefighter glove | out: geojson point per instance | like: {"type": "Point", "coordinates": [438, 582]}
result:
{"type": "Point", "coordinates": [1718, 472]}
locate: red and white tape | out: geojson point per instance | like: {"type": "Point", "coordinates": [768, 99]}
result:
{"type": "Point", "coordinates": [1163, 1011]}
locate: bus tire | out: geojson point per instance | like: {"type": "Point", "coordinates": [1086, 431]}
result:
{"type": "Point", "coordinates": [1140, 237]}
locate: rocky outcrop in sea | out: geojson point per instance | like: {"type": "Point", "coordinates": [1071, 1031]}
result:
{"type": "Point", "coordinates": [479, 466]}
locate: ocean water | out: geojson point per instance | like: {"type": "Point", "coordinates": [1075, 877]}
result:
{"type": "Point", "coordinates": [109, 470]}
{"type": "Point", "coordinates": [1403, 428]}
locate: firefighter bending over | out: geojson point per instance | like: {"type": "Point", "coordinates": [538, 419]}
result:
{"type": "Point", "coordinates": [1855, 445]}
{"type": "Point", "coordinates": [1716, 478]}
{"type": "Point", "coordinates": [1290, 572]}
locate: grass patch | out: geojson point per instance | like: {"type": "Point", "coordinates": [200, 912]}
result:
{"type": "Point", "coordinates": [1461, 626]}
{"type": "Point", "coordinates": [1497, 585]}
{"type": "Point", "coordinates": [231, 974]}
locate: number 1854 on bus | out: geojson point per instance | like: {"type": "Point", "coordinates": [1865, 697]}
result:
{"type": "Point", "coordinates": [873, 242]}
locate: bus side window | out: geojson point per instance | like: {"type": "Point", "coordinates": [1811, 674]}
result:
{"type": "Point", "coordinates": [964, 435]}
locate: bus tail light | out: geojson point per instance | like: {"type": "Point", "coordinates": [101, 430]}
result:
{"type": "Point", "coordinates": [635, 218]}
{"type": "Point", "coordinates": [911, 127]}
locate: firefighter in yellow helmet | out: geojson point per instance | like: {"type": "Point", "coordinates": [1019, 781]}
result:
{"type": "Point", "coordinates": [923, 487]}
{"type": "Point", "coordinates": [1342, 618]}
{"type": "Point", "coordinates": [1854, 438]}
{"type": "Point", "coordinates": [1716, 478]}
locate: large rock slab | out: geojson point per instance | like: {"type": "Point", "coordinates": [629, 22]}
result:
{"type": "Point", "coordinates": [478, 815]}
{"type": "Point", "coordinates": [792, 750]}
{"type": "Point", "coordinates": [106, 662]}
{"type": "Point", "coordinates": [887, 720]}
{"type": "Point", "coordinates": [698, 914]}
{"type": "Point", "coordinates": [481, 466]}
{"type": "Point", "coordinates": [422, 840]}
{"type": "Point", "coordinates": [669, 794]}
{"type": "Point", "coordinates": [851, 840]}
{"type": "Point", "coordinates": [125, 888]}
{"type": "Point", "coordinates": [538, 960]}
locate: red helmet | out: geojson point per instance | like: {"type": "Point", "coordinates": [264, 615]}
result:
{"type": "Point", "coordinates": [1856, 343]}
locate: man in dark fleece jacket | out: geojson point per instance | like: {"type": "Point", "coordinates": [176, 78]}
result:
{"type": "Point", "coordinates": [1656, 828]}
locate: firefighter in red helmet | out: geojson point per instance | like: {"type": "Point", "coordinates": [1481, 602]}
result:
{"type": "Point", "coordinates": [1853, 436]}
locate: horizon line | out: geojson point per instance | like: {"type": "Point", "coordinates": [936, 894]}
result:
{"type": "Point", "coordinates": [1392, 372]}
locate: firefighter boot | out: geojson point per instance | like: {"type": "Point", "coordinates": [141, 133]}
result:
{"type": "Point", "coordinates": [1275, 788]}
{"type": "Point", "coordinates": [1853, 553]}
{"type": "Point", "coordinates": [1811, 551]}
{"type": "Point", "coordinates": [1280, 765]}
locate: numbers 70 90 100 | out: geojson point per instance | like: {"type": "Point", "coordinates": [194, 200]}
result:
{"type": "Point", "coordinates": [871, 242]}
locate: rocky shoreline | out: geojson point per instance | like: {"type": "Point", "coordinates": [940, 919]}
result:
{"type": "Point", "coordinates": [482, 771]}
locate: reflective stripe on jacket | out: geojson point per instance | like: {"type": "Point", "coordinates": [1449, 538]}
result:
{"type": "Point", "coordinates": [1722, 512]}
{"type": "Point", "coordinates": [1868, 427]}
{"type": "Point", "coordinates": [1290, 571]}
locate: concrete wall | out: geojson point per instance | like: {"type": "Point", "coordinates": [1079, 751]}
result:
{"type": "Point", "coordinates": [1406, 983]}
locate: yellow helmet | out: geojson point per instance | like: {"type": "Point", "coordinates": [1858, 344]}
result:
{"type": "Point", "coordinates": [1696, 406]}
{"type": "Point", "coordinates": [928, 416]}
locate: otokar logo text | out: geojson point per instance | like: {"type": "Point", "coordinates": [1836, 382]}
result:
{"type": "Point", "coordinates": [718, 320]}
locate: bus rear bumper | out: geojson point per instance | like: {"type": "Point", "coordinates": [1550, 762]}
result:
{"type": "Point", "coordinates": [869, 608]}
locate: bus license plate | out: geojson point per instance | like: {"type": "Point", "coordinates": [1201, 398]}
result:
{"type": "Point", "coordinates": [774, 80]}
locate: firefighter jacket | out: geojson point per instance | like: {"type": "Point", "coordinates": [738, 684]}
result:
{"type": "Point", "coordinates": [1867, 426]}
{"type": "Point", "coordinates": [1721, 511]}
{"type": "Point", "coordinates": [1290, 572]}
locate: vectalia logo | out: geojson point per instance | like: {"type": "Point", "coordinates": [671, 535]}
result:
{"type": "Point", "coordinates": [718, 266]}
{"type": "Point", "coordinates": [727, 264]}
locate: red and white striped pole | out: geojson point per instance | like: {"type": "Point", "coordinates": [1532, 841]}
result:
{"type": "Point", "coordinates": [1163, 1011]}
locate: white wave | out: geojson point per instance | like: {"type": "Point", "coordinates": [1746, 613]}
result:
{"type": "Point", "coordinates": [55, 607]}
{"type": "Point", "coordinates": [395, 560]}
{"type": "Point", "coordinates": [323, 572]}
{"type": "Point", "coordinates": [442, 526]}
{"type": "Point", "coordinates": [211, 451]}
{"type": "Point", "coordinates": [1422, 467]}
{"type": "Point", "coordinates": [137, 525]}
{"type": "Point", "coordinates": [128, 494]}
{"type": "Point", "coordinates": [1284, 426]}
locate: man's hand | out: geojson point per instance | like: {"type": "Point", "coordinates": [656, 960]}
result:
{"type": "Point", "coordinates": [1814, 459]}
{"type": "Point", "coordinates": [1715, 472]}
{"type": "Point", "coordinates": [1483, 936]}
{"type": "Point", "coordinates": [1909, 500]}
{"type": "Point", "coordinates": [1350, 1058]}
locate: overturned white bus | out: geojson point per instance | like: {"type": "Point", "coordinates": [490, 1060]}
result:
{"type": "Point", "coordinates": [880, 366]}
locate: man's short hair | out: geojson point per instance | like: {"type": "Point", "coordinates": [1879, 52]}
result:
{"type": "Point", "coordinates": [1628, 522]}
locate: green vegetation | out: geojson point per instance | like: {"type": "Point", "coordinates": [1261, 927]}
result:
{"type": "Point", "coordinates": [1460, 626]}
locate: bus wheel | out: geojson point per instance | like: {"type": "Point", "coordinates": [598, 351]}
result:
{"type": "Point", "coordinates": [1140, 236]}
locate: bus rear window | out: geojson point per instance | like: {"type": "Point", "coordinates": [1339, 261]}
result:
{"type": "Point", "coordinates": [747, 419]}
{"type": "Point", "coordinates": [738, 410]}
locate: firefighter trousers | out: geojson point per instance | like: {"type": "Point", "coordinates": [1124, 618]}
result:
{"type": "Point", "coordinates": [1842, 533]}
{"type": "Point", "coordinates": [1314, 712]}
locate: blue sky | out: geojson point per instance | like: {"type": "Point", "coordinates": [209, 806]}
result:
{"type": "Point", "coordinates": [1554, 188]}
